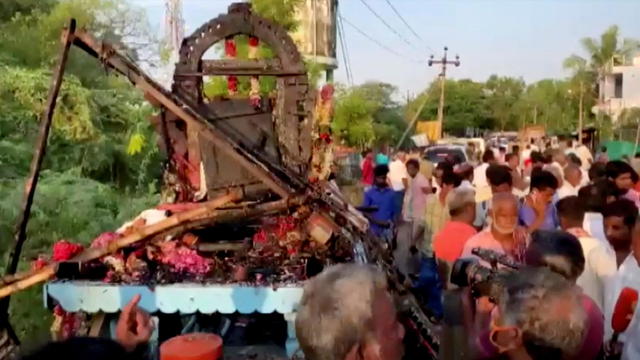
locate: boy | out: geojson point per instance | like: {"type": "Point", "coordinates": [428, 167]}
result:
{"type": "Point", "coordinates": [381, 201]}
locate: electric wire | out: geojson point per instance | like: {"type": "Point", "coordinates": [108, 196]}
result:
{"type": "Point", "coordinates": [393, 30]}
{"type": "Point", "coordinates": [345, 54]}
{"type": "Point", "coordinates": [407, 25]}
{"type": "Point", "coordinates": [381, 45]}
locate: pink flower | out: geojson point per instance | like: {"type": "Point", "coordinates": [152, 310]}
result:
{"type": "Point", "coordinates": [184, 259]}
{"type": "Point", "coordinates": [104, 239]}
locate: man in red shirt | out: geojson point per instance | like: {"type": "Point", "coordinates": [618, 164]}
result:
{"type": "Point", "coordinates": [449, 242]}
{"type": "Point", "coordinates": [367, 170]}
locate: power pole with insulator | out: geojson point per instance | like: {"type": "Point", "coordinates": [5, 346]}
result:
{"type": "Point", "coordinates": [443, 74]}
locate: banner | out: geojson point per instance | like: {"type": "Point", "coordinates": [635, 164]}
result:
{"type": "Point", "coordinates": [430, 128]}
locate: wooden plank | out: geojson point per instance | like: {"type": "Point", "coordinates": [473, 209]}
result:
{"type": "Point", "coordinates": [96, 324]}
{"type": "Point", "coordinates": [263, 67]}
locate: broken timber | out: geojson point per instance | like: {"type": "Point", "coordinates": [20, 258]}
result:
{"type": "Point", "coordinates": [281, 179]}
{"type": "Point", "coordinates": [186, 111]}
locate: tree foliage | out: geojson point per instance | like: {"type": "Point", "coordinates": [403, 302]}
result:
{"type": "Point", "coordinates": [102, 164]}
{"type": "Point", "coordinates": [466, 105]}
{"type": "Point", "coordinates": [367, 115]}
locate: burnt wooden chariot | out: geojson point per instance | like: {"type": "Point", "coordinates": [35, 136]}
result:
{"type": "Point", "coordinates": [253, 152]}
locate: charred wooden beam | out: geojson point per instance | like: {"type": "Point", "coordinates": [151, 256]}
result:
{"type": "Point", "coordinates": [223, 246]}
{"type": "Point", "coordinates": [266, 67]}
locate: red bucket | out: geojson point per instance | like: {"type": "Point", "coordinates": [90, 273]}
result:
{"type": "Point", "coordinates": [196, 346]}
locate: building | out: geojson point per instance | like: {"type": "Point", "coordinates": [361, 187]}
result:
{"type": "Point", "coordinates": [620, 90]}
{"type": "Point", "coordinates": [316, 32]}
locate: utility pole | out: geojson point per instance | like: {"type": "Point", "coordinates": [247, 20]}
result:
{"type": "Point", "coordinates": [443, 74]}
{"type": "Point", "coordinates": [580, 115]}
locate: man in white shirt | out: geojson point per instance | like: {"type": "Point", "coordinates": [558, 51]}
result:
{"type": "Point", "coordinates": [465, 172]}
{"type": "Point", "coordinates": [571, 183]}
{"type": "Point", "coordinates": [628, 275]}
{"type": "Point", "coordinates": [483, 191]}
{"type": "Point", "coordinates": [596, 196]}
{"type": "Point", "coordinates": [600, 259]}
{"type": "Point", "coordinates": [585, 156]}
{"type": "Point", "coordinates": [413, 212]}
{"type": "Point", "coordinates": [397, 177]}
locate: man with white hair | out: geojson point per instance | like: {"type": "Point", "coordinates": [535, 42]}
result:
{"type": "Point", "coordinates": [538, 316]}
{"type": "Point", "coordinates": [572, 181]}
{"type": "Point", "coordinates": [346, 313]}
{"type": "Point", "coordinates": [503, 234]}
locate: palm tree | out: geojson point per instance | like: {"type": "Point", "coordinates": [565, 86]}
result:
{"type": "Point", "coordinates": [582, 75]}
{"type": "Point", "coordinates": [603, 54]}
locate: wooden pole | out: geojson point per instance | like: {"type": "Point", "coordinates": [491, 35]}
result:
{"type": "Point", "coordinates": [441, 102]}
{"type": "Point", "coordinates": [443, 76]}
{"type": "Point", "coordinates": [413, 121]}
{"type": "Point", "coordinates": [41, 147]}
{"type": "Point", "coordinates": [34, 171]}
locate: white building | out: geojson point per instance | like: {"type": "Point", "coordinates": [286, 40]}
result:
{"type": "Point", "coordinates": [316, 32]}
{"type": "Point", "coordinates": [620, 90]}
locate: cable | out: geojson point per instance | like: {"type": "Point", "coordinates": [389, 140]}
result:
{"type": "Point", "coordinates": [408, 26]}
{"type": "Point", "coordinates": [345, 50]}
{"type": "Point", "coordinates": [376, 41]}
{"type": "Point", "coordinates": [387, 24]}
{"type": "Point", "coordinates": [345, 55]}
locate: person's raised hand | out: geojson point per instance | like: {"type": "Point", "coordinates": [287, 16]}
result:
{"type": "Point", "coordinates": [134, 326]}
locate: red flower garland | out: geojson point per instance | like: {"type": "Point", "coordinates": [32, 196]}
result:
{"type": "Point", "coordinates": [230, 49]}
{"type": "Point", "coordinates": [64, 250]}
{"type": "Point", "coordinates": [326, 138]}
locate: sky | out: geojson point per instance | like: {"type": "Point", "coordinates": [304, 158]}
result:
{"type": "Point", "coordinates": [521, 38]}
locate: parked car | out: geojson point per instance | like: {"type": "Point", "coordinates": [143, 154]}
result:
{"type": "Point", "coordinates": [439, 153]}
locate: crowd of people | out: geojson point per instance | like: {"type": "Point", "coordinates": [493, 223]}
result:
{"type": "Point", "coordinates": [570, 220]}
{"type": "Point", "coordinates": [560, 209]}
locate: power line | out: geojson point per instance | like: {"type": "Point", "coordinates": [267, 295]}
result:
{"type": "Point", "coordinates": [387, 24]}
{"type": "Point", "coordinates": [374, 40]}
{"type": "Point", "coordinates": [345, 54]}
{"type": "Point", "coordinates": [407, 25]}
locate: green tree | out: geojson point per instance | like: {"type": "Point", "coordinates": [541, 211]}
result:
{"type": "Point", "coordinates": [112, 20]}
{"type": "Point", "coordinates": [465, 106]}
{"type": "Point", "coordinates": [10, 8]}
{"type": "Point", "coordinates": [366, 115]}
{"type": "Point", "coordinates": [502, 95]}
{"type": "Point", "coordinates": [580, 85]}
{"type": "Point", "coordinates": [353, 118]}
{"type": "Point", "coordinates": [102, 164]}
{"type": "Point", "coordinates": [608, 51]}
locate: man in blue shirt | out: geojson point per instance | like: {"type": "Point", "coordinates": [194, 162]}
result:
{"type": "Point", "coordinates": [380, 197]}
{"type": "Point", "coordinates": [538, 210]}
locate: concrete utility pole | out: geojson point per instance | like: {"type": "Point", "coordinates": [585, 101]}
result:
{"type": "Point", "coordinates": [443, 74]}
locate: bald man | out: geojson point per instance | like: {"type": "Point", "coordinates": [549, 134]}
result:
{"type": "Point", "coordinates": [504, 235]}
{"type": "Point", "coordinates": [572, 181]}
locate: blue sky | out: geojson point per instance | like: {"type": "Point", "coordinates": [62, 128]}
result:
{"type": "Point", "coordinates": [523, 38]}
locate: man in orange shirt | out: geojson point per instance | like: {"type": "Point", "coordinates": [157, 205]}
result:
{"type": "Point", "coordinates": [449, 242]}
